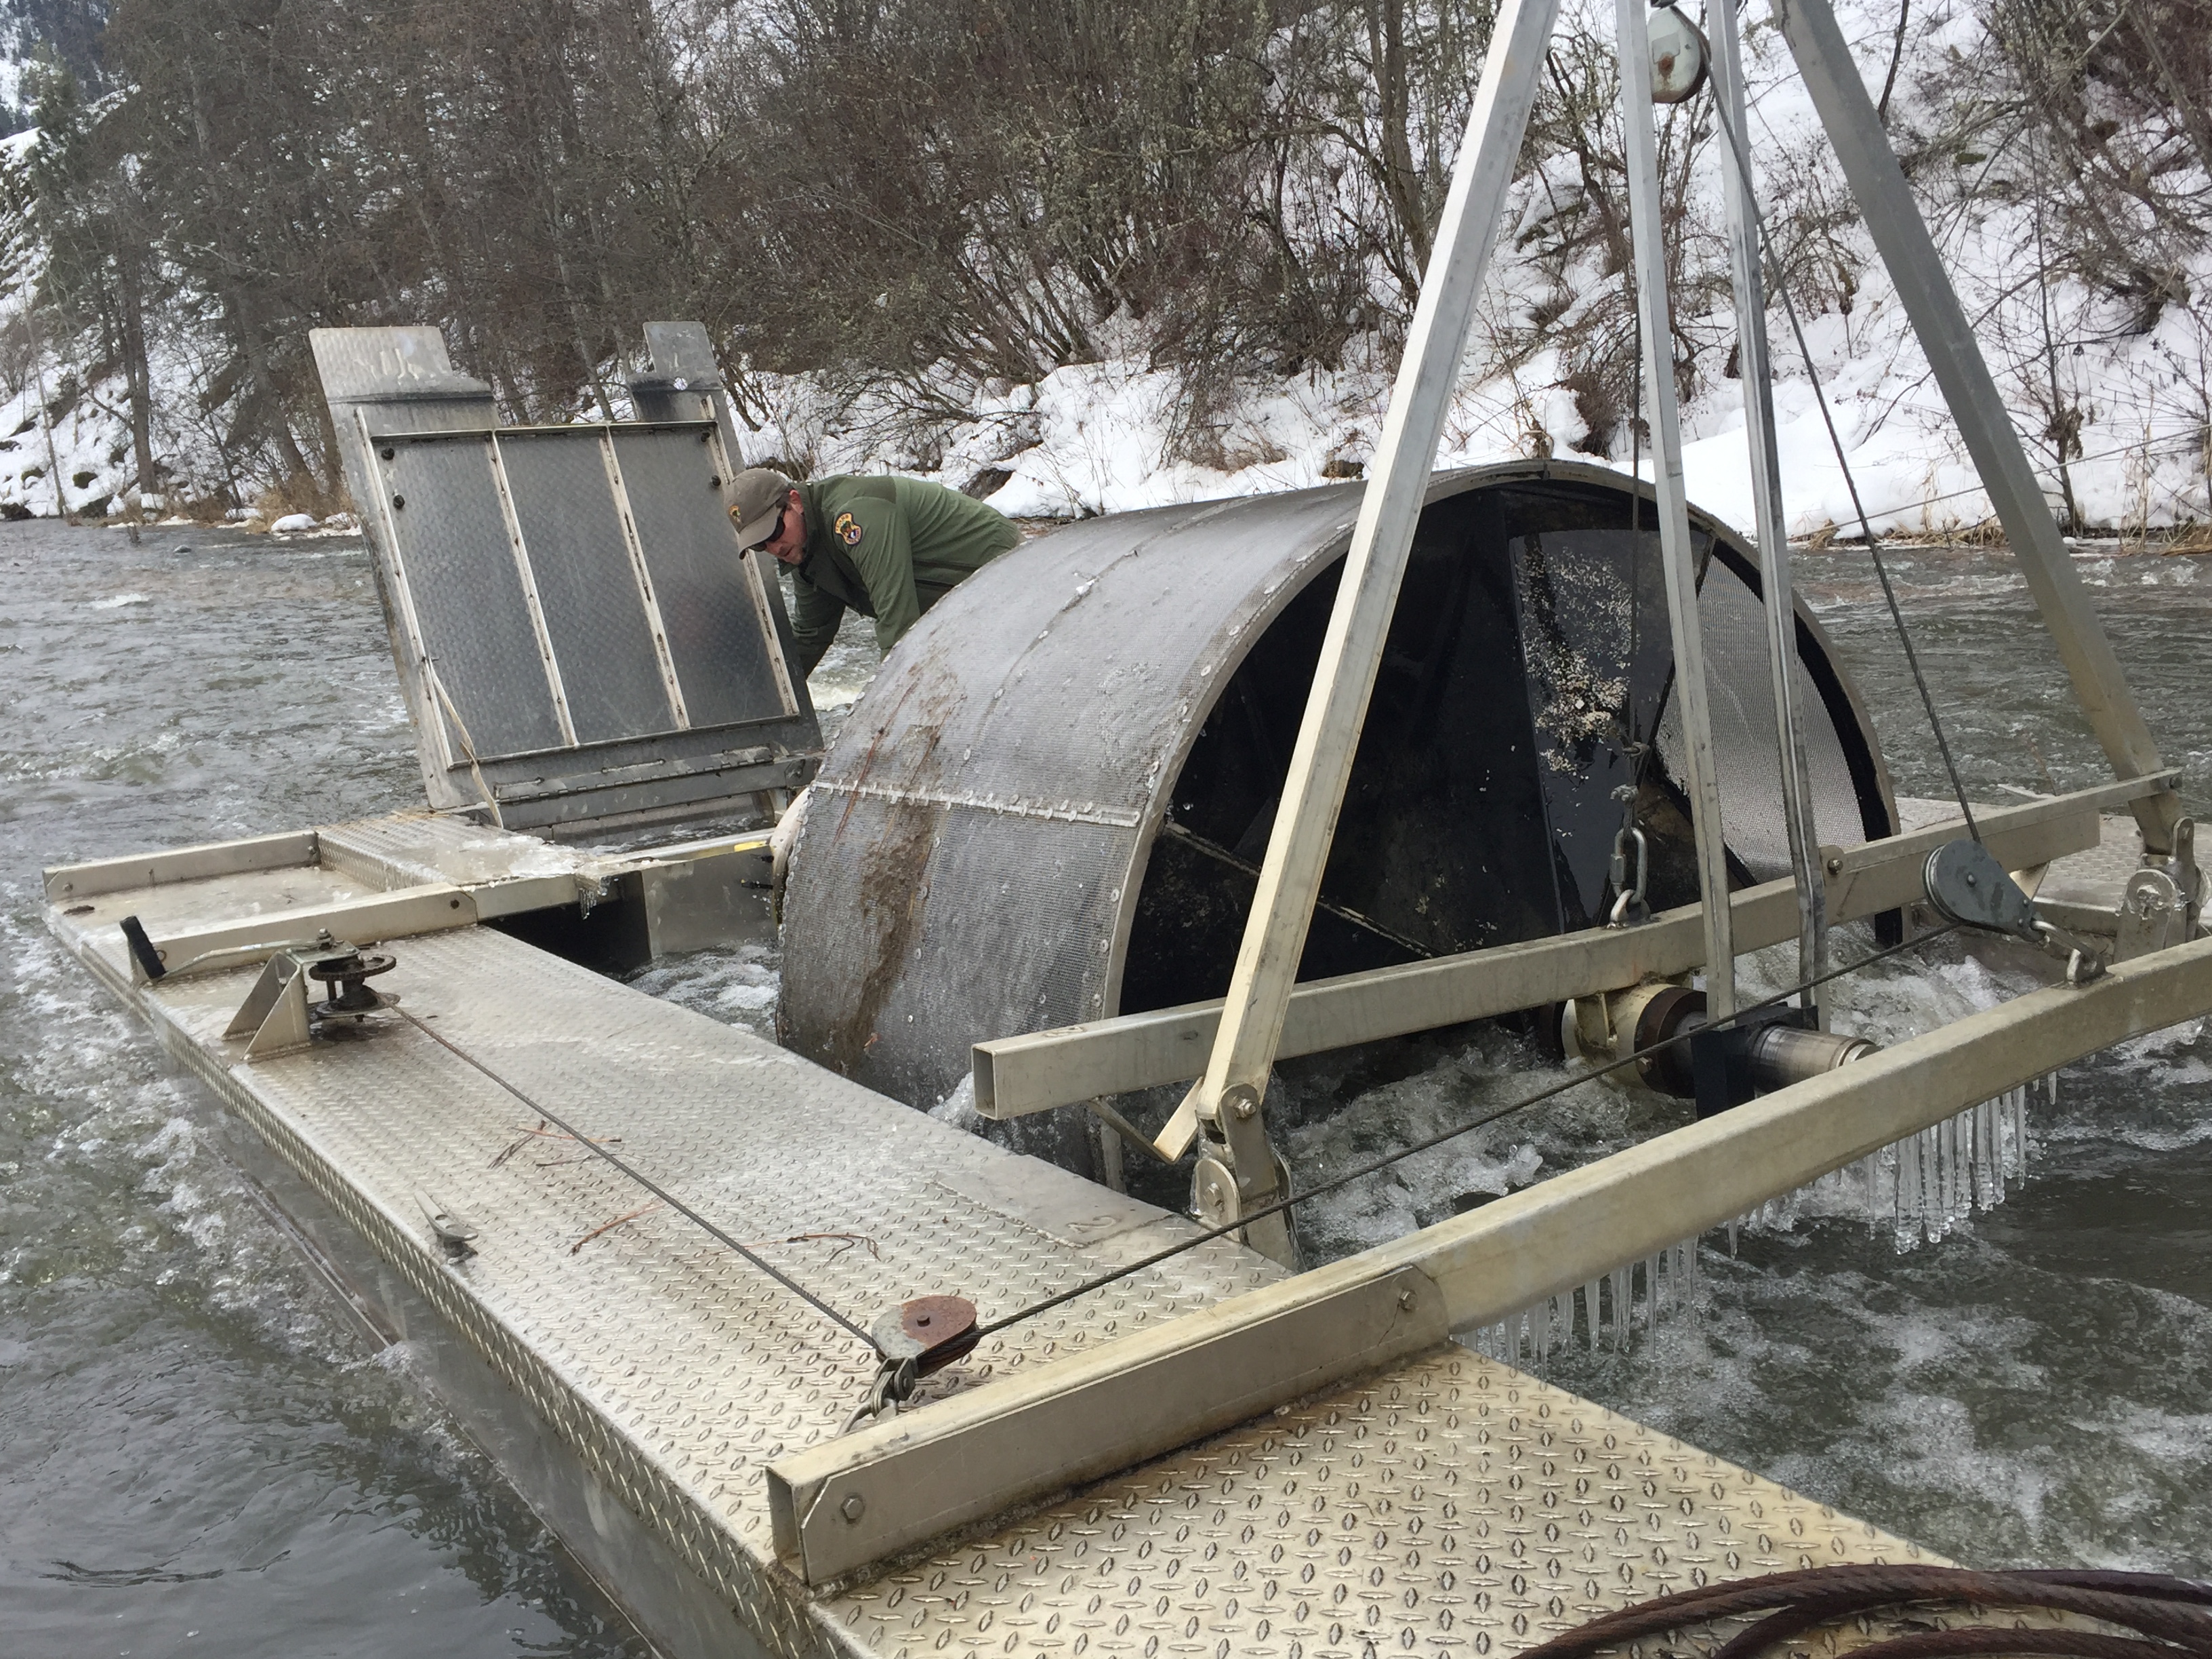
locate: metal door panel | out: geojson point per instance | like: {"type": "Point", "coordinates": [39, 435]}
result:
{"type": "Point", "coordinates": [716, 637]}
{"type": "Point", "coordinates": [587, 586]}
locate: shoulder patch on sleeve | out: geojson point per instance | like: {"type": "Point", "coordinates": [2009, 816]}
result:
{"type": "Point", "coordinates": [848, 530]}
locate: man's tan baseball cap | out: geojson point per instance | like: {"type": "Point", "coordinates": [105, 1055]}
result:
{"type": "Point", "coordinates": [757, 498]}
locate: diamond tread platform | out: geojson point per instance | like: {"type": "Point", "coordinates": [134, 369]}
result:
{"type": "Point", "coordinates": [1454, 1505]}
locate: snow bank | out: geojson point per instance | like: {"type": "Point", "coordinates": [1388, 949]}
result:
{"type": "Point", "coordinates": [1119, 434]}
{"type": "Point", "coordinates": [1104, 437]}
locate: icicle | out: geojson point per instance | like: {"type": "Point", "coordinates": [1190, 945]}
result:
{"type": "Point", "coordinates": [1624, 1280]}
{"type": "Point", "coordinates": [1870, 1174]}
{"type": "Point", "coordinates": [1734, 1223]}
{"type": "Point", "coordinates": [1651, 1293]}
{"type": "Point", "coordinates": [1934, 1208]}
{"type": "Point", "coordinates": [1589, 1314]}
{"type": "Point", "coordinates": [1987, 1173]}
{"type": "Point", "coordinates": [1958, 1195]}
{"type": "Point", "coordinates": [1908, 1192]}
{"type": "Point", "coordinates": [1963, 1149]}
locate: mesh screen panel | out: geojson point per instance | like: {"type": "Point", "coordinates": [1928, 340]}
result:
{"type": "Point", "coordinates": [587, 587]}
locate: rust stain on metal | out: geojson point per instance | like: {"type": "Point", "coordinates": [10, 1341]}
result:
{"type": "Point", "coordinates": [944, 1326]}
{"type": "Point", "coordinates": [892, 885]}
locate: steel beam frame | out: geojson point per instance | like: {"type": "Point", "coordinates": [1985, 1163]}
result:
{"type": "Point", "coordinates": [846, 1502]}
{"type": "Point", "coordinates": [1017, 1075]}
{"type": "Point", "coordinates": [1367, 596]}
{"type": "Point", "coordinates": [1755, 373]}
{"type": "Point", "coordinates": [1700, 773]}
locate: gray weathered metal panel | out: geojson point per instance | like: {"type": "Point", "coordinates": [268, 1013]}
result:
{"type": "Point", "coordinates": [534, 609]}
{"type": "Point", "coordinates": [715, 637]}
{"type": "Point", "coordinates": [585, 584]}
{"type": "Point", "coordinates": [453, 540]}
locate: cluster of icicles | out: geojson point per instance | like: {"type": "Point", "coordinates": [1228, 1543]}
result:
{"type": "Point", "coordinates": [1917, 1188]}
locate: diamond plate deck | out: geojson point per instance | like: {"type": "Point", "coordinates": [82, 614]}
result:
{"type": "Point", "coordinates": [1452, 1506]}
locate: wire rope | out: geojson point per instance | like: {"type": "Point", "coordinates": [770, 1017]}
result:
{"type": "Point", "coordinates": [645, 1181]}
{"type": "Point", "coordinates": [1206, 1235]}
{"type": "Point", "coordinates": [1375, 1165]}
{"type": "Point", "coordinates": [1850, 482]}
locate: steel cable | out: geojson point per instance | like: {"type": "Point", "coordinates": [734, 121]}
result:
{"type": "Point", "coordinates": [1850, 484]}
{"type": "Point", "coordinates": [1205, 1235]}
{"type": "Point", "coordinates": [642, 1180]}
{"type": "Point", "coordinates": [1384, 1162]}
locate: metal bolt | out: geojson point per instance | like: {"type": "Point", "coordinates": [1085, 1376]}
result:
{"type": "Point", "coordinates": [398, 501]}
{"type": "Point", "coordinates": [853, 1508]}
{"type": "Point", "coordinates": [1406, 1300]}
{"type": "Point", "coordinates": [1971, 882]}
{"type": "Point", "coordinates": [1213, 1192]}
{"type": "Point", "coordinates": [1835, 866]}
{"type": "Point", "coordinates": [1242, 1101]}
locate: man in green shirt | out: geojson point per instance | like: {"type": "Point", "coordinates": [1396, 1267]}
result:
{"type": "Point", "coordinates": [888, 548]}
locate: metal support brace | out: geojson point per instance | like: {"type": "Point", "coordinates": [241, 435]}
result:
{"type": "Point", "coordinates": [1755, 375]}
{"type": "Point", "coordinates": [1041, 1429]}
{"type": "Point", "coordinates": [1901, 238]}
{"type": "Point", "coordinates": [1701, 778]}
{"type": "Point", "coordinates": [1017, 1075]}
{"type": "Point", "coordinates": [1328, 737]}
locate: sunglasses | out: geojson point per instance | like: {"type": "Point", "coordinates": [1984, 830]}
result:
{"type": "Point", "coordinates": [772, 535]}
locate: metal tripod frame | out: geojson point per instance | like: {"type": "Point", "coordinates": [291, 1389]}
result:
{"type": "Point", "coordinates": [1226, 1100]}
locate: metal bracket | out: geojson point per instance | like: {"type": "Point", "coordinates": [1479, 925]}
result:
{"type": "Point", "coordinates": [2154, 914]}
{"type": "Point", "coordinates": [276, 1018]}
{"type": "Point", "coordinates": [1240, 1171]}
{"type": "Point", "coordinates": [1968, 886]}
{"type": "Point", "coordinates": [2181, 865]}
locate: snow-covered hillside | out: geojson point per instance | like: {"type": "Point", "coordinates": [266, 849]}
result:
{"type": "Point", "coordinates": [2131, 407]}
{"type": "Point", "coordinates": [1090, 438]}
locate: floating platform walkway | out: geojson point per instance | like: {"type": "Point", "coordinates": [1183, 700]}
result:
{"type": "Point", "coordinates": [637, 1381]}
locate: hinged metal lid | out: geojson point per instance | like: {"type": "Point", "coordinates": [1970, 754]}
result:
{"type": "Point", "coordinates": [582, 644]}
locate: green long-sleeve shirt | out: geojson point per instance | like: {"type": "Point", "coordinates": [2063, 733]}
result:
{"type": "Point", "coordinates": [890, 548]}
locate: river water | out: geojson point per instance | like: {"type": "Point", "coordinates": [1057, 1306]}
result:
{"type": "Point", "coordinates": [200, 1453]}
